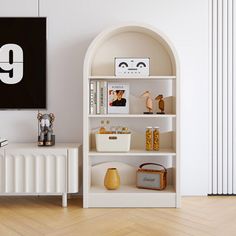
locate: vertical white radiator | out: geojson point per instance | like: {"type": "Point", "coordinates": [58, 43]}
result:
{"type": "Point", "coordinates": [222, 178]}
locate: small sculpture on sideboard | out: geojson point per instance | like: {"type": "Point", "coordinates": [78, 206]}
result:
{"type": "Point", "coordinates": [45, 136]}
{"type": "Point", "coordinates": [149, 102]}
{"type": "Point", "coordinates": [160, 104]}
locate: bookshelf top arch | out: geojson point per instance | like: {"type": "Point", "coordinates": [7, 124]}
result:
{"type": "Point", "coordinates": [130, 41]}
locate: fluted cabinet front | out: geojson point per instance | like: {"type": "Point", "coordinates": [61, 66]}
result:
{"type": "Point", "coordinates": [25, 171]}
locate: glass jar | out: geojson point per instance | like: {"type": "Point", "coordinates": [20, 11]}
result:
{"type": "Point", "coordinates": [102, 129]}
{"type": "Point", "coordinates": [125, 130]}
{"type": "Point", "coordinates": [156, 139]}
{"type": "Point", "coordinates": [149, 138]}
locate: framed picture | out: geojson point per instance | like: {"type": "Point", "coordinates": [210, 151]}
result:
{"type": "Point", "coordinates": [23, 63]}
{"type": "Point", "coordinates": [118, 98]}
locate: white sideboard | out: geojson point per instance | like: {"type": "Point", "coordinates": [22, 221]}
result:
{"type": "Point", "coordinates": [26, 169]}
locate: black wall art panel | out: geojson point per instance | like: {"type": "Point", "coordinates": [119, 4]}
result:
{"type": "Point", "coordinates": [22, 63]}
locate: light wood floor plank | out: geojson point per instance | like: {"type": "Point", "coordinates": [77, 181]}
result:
{"type": "Point", "coordinates": [44, 216]}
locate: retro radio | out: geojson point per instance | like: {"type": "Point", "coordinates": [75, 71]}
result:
{"type": "Point", "coordinates": [131, 67]}
{"type": "Point", "coordinates": [150, 178]}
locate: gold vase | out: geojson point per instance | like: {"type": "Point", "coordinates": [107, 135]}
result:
{"type": "Point", "coordinates": [112, 179]}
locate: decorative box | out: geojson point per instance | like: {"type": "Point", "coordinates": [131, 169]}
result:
{"type": "Point", "coordinates": [112, 142]}
{"type": "Point", "coordinates": [150, 178]}
{"type": "Point", "coordinates": [131, 67]}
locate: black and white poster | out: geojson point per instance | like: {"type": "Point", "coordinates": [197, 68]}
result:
{"type": "Point", "coordinates": [22, 63]}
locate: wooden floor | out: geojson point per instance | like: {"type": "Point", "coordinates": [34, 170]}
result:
{"type": "Point", "coordinates": [198, 216]}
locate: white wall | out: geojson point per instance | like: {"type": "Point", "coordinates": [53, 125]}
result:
{"type": "Point", "coordinates": [71, 27]}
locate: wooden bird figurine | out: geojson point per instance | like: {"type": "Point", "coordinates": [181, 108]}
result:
{"type": "Point", "coordinates": [161, 104]}
{"type": "Point", "coordinates": [149, 103]}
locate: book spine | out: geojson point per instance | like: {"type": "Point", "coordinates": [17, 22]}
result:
{"type": "Point", "coordinates": [93, 97]}
{"type": "Point", "coordinates": [101, 97]}
{"type": "Point", "coordinates": [105, 97]}
{"type": "Point", "coordinates": [98, 97]}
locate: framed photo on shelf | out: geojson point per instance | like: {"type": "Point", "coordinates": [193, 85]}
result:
{"type": "Point", "coordinates": [118, 98]}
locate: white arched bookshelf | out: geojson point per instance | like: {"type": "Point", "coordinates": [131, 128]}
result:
{"type": "Point", "coordinates": [133, 40]}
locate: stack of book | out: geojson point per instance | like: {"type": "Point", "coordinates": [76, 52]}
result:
{"type": "Point", "coordinates": [108, 98]}
{"type": "Point", "coordinates": [98, 97]}
{"type": "Point", "coordinates": [3, 142]}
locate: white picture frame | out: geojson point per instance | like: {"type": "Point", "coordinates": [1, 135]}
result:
{"type": "Point", "coordinates": [118, 98]}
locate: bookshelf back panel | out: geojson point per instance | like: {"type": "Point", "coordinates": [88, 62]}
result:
{"type": "Point", "coordinates": [127, 44]}
{"type": "Point", "coordinates": [97, 177]}
{"type": "Point", "coordinates": [138, 130]}
{"type": "Point", "coordinates": [134, 124]}
{"type": "Point", "coordinates": [136, 89]}
{"type": "Point", "coordinates": [138, 140]}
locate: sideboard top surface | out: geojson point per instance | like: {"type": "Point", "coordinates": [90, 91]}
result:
{"type": "Point", "coordinates": [34, 145]}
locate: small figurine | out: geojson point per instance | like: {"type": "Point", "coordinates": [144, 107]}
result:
{"type": "Point", "coordinates": [46, 137]}
{"type": "Point", "coordinates": [149, 103]}
{"type": "Point", "coordinates": [160, 104]}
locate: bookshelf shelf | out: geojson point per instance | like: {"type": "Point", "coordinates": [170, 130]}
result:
{"type": "Point", "coordinates": [136, 152]}
{"type": "Point", "coordinates": [130, 196]}
{"type": "Point", "coordinates": [131, 189]}
{"type": "Point", "coordinates": [115, 78]}
{"type": "Point", "coordinates": [131, 41]}
{"type": "Point", "coordinates": [132, 116]}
